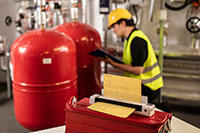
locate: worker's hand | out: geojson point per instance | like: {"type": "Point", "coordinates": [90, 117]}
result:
{"type": "Point", "coordinates": [102, 59]}
{"type": "Point", "coordinates": [107, 60]}
{"type": "Point", "coordinates": [110, 61]}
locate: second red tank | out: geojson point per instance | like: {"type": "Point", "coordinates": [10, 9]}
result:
{"type": "Point", "coordinates": [87, 39]}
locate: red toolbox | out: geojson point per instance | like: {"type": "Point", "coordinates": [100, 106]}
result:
{"type": "Point", "coordinates": [80, 119]}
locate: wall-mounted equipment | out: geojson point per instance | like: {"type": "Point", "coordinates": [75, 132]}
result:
{"type": "Point", "coordinates": [28, 16]}
{"type": "Point", "coordinates": [25, 17]}
{"type": "Point", "coordinates": [104, 6]}
{"type": "Point", "coordinates": [192, 17]}
{"type": "Point", "coordinates": [193, 23]}
{"type": "Point", "coordinates": [177, 4]}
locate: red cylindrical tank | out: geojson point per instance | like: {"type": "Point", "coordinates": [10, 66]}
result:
{"type": "Point", "coordinates": [44, 77]}
{"type": "Point", "coordinates": [87, 39]}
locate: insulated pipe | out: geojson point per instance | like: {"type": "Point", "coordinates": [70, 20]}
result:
{"type": "Point", "coordinates": [41, 13]}
{"type": "Point", "coordinates": [74, 10]}
{"type": "Point", "coordinates": [84, 9]}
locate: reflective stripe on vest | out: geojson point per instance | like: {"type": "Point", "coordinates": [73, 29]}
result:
{"type": "Point", "coordinates": [151, 75]}
{"type": "Point", "coordinates": [147, 69]}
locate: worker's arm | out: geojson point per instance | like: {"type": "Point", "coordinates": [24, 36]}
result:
{"type": "Point", "coordinates": [137, 70]}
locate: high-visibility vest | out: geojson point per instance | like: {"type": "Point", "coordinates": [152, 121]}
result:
{"type": "Point", "coordinates": [151, 76]}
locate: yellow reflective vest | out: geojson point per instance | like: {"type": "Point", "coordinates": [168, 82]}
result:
{"type": "Point", "coordinates": [151, 76]}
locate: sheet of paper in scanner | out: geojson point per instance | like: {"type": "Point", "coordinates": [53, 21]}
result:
{"type": "Point", "coordinates": [102, 53]}
{"type": "Point", "coordinates": [112, 109]}
{"type": "Point", "coordinates": [123, 88]}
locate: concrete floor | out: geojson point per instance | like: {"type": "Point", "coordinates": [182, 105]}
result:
{"type": "Point", "coordinates": [9, 123]}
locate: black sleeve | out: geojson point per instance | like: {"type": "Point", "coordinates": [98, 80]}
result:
{"type": "Point", "coordinates": [139, 51]}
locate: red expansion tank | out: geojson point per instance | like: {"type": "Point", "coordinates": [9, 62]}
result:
{"type": "Point", "coordinates": [43, 65]}
{"type": "Point", "coordinates": [87, 39]}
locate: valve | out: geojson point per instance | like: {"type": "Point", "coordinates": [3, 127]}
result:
{"type": "Point", "coordinates": [193, 24]}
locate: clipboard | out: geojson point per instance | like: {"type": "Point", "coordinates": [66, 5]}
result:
{"type": "Point", "coordinates": [103, 54]}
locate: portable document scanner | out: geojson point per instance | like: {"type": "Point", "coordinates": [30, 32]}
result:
{"type": "Point", "coordinates": [140, 108]}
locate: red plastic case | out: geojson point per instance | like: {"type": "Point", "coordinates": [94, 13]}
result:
{"type": "Point", "coordinates": [81, 119]}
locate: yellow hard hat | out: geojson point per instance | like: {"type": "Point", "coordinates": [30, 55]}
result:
{"type": "Point", "coordinates": [116, 15]}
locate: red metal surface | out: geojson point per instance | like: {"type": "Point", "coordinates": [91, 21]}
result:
{"type": "Point", "coordinates": [87, 39]}
{"type": "Point", "coordinates": [44, 77]}
{"type": "Point", "coordinates": [80, 119]}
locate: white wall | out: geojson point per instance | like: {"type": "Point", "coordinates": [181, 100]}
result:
{"type": "Point", "coordinates": [7, 8]}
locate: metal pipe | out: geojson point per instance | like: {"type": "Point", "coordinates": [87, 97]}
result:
{"type": "Point", "coordinates": [84, 14]}
{"type": "Point", "coordinates": [8, 73]}
{"type": "Point", "coordinates": [41, 13]}
{"type": "Point", "coordinates": [2, 46]}
{"type": "Point", "coordinates": [74, 10]}
{"type": "Point", "coordinates": [105, 43]}
{"type": "Point", "coordinates": [161, 38]}
{"type": "Point", "coordinates": [160, 57]}
{"type": "Point", "coordinates": [151, 9]}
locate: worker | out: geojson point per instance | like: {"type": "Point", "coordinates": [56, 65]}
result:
{"type": "Point", "coordinates": [138, 55]}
